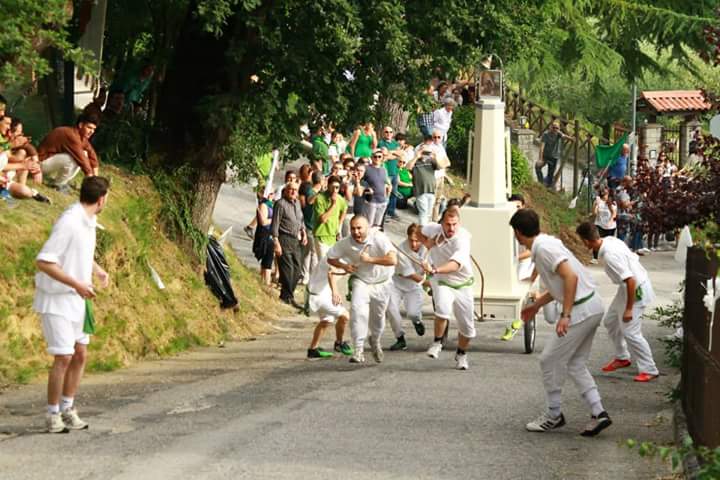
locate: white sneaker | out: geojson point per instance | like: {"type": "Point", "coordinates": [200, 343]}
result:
{"type": "Point", "coordinates": [434, 350]}
{"type": "Point", "coordinates": [593, 261]}
{"type": "Point", "coordinates": [55, 424]}
{"type": "Point", "coordinates": [357, 357]}
{"type": "Point", "coordinates": [461, 362]}
{"type": "Point", "coordinates": [545, 423]}
{"type": "Point", "coordinates": [73, 422]}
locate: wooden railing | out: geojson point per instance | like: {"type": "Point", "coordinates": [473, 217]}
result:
{"type": "Point", "coordinates": [580, 148]}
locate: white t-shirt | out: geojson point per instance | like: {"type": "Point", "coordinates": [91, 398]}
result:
{"type": "Point", "coordinates": [72, 247]}
{"type": "Point", "coordinates": [376, 245]}
{"type": "Point", "coordinates": [621, 263]}
{"type": "Point", "coordinates": [604, 218]}
{"type": "Point", "coordinates": [319, 283]}
{"type": "Point", "coordinates": [446, 249]}
{"type": "Point", "coordinates": [442, 119]}
{"type": "Point", "coordinates": [406, 267]}
{"type": "Point", "coordinates": [547, 254]}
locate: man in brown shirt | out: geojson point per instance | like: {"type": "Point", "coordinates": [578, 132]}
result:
{"type": "Point", "coordinates": [67, 150]}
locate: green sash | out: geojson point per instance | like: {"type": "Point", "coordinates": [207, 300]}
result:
{"type": "Point", "coordinates": [583, 300]}
{"type": "Point", "coordinates": [458, 286]}
{"type": "Point", "coordinates": [89, 324]}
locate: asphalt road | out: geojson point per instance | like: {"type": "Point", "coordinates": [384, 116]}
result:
{"type": "Point", "coordinates": [257, 409]}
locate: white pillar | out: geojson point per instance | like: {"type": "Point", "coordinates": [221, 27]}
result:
{"type": "Point", "coordinates": [487, 178]}
{"type": "Point", "coordinates": [488, 215]}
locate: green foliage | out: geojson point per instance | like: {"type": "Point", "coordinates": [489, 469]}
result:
{"type": "Point", "coordinates": [29, 27]}
{"type": "Point", "coordinates": [709, 458]}
{"type": "Point", "coordinates": [176, 192]}
{"type": "Point", "coordinates": [670, 317]}
{"type": "Point", "coordinates": [521, 174]}
{"type": "Point", "coordinates": [463, 121]}
{"type": "Point", "coordinates": [123, 142]}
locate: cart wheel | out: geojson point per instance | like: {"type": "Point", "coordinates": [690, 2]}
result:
{"type": "Point", "coordinates": [529, 335]}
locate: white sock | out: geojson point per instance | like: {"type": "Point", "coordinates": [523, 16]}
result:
{"type": "Point", "coordinates": [66, 403]}
{"type": "Point", "coordinates": [597, 408]}
{"type": "Point", "coordinates": [53, 409]}
{"type": "Point", "coordinates": [554, 411]}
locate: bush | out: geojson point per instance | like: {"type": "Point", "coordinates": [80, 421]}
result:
{"type": "Point", "coordinates": [457, 147]}
{"type": "Point", "coordinates": [521, 174]}
{"type": "Point", "coordinates": [463, 121]}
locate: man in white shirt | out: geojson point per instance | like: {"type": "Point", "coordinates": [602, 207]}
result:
{"type": "Point", "coordinates": [451, 281]}
{"type": "Point", "coordinates": [324, 299]}
{"type": "Point", "coordinates": [442, 118]}
{"type": "Point", "coordinates": [63, 284]}
{"type": "Point", "coordinates": [635, 292]}
{"type": "Point", "coordinates": [407, 287]}
{"type": "Point", "coordinates": [369, 258]}
{"type": "Point", "coordinates": [571, 285]}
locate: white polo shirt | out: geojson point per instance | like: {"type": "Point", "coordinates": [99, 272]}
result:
{"type": "Point", "coordinates": [319, 284]}
{"type": "Point", "coordinates": [621, 263]}
{"type": "Point", "coordinates": [71, 246]}
{"type": "Point", "coordinates": [376, 245]}
{"type": "Point", "coordinates": [442, 119]}
{"type": "Point", "coordinates": [548, 253]}
{"type": "Point", "coordinates": [406, 267]}
{"type": "Point", "coordinates": [446, 249]}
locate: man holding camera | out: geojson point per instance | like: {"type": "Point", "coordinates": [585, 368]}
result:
{"type": "Point", "coordinates": [423, 168]}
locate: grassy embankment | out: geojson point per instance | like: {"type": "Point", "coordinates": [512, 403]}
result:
{"type": "Point", "coordinates": [135, 319]}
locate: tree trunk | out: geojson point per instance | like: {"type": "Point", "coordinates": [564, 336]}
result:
{"type": "Point", "coordinates": [207, 188]}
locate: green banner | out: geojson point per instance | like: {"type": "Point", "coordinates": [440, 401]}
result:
{"type": "Point", "coordinates": [605, 155]}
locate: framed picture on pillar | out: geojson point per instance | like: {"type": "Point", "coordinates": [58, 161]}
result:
{"type": "Point", "coordinates": [489, 84]}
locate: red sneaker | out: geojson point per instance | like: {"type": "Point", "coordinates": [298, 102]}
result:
{"type": "Point", "coordinates": [615, 364]}
{"type": "Point", "coordinates": [644, 377]}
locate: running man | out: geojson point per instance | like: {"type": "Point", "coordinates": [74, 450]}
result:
{"type": "Point", "coordinates": [635, 292]}
{"type": "Point", "coordinates": [63, 284]}
{"type": "Point", "coordinates": [407, 287]}
{"type": "Point", "coordinates": [369, 258]}
{"type": "Point", "coordinates": [451, 281]}
{"type": "Point", "coordinates": [324, 299]}
{"type": "Point", "coordinates": [567, 353]}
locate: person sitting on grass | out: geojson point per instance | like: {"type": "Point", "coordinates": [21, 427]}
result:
{"type": "Point", "coordinates": [65, 151]}
{"type": "Point", "coordinates": [15, 167]}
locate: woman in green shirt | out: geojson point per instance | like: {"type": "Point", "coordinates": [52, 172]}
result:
{"type": "Point", "coordinates": [405, 185]}
{"type": "Point", "coordinates": [363, 141]}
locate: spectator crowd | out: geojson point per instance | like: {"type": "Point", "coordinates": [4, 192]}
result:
{"type": "Point", "coordinates": [66, 150]}
{"type": "Point", "coordinates": [369, 172]}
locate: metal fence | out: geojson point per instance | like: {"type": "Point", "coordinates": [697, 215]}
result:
{"type": "Point", "coordinates": [670, 139]}
{"type": "Point", "coordinates": [700, 382]}
{"type": "Point", "coordinates": [578, 149]}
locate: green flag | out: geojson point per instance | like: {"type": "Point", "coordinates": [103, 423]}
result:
{"type": "Point", "coordinates": [605, 155]}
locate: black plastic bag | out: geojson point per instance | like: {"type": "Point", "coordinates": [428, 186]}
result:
{"type": "Point", "coordinates": [217, 275]}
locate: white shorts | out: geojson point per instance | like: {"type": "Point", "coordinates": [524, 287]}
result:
{"type": "Point", "coordinates": [61, 334]}
{"type": "Point", "coordinates": [326, 311]}
{"type": "Point", "coordinates": [457, 302]}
